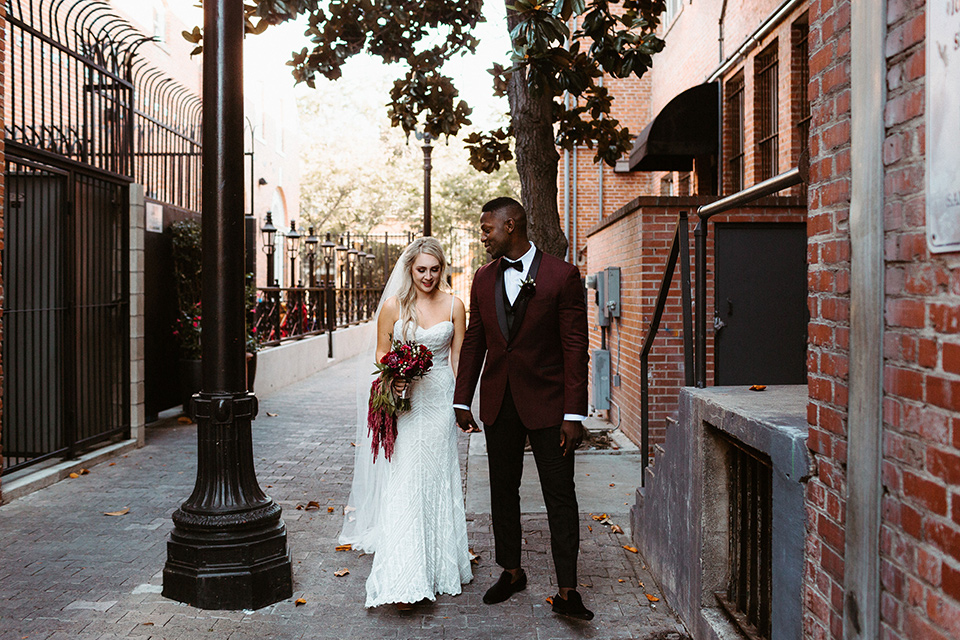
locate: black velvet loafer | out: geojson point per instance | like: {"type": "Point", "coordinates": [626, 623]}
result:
{"type": "Point", "coordinates": [572, 606]}
{"type": "Point", "coordinates": [505, 587]}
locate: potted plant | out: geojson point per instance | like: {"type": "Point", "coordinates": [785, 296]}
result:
{"type": "Point", "coordinates": [187, 264]}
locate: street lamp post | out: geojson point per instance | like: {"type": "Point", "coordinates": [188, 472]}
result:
{"type": "Point", "coordinates": [292, 240]}
{"type": "Point", "coordinates": [328, 249]}
{"type": "Point", "coordinates": [341, 278]}
{"type": "Point", "coordinates": [352, 275]}
{"type": "Point", "coordinates": [269, 234]}
{"type": "Point", "coordinates": [228, 548]}
{"type": "Point", "coordinates": [427, 166]}
{"type": "Point", "coordinates": [312, 241]}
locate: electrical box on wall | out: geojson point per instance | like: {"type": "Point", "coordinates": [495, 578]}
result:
{"type": "Point", "coordinates": [607, 286]}
{"type": "Point", "coordinates": [601, 379]}
{"type": "Point", "coordinates": [611, 300]}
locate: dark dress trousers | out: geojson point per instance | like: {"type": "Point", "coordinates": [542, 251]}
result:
{"type": "Point", "coordinates": [535, 372]}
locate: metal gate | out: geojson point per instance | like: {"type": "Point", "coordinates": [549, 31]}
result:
{"type": "Point", "coordinates": [65, 311]}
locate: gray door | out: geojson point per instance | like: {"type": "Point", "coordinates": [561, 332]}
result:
{"type": "Point", "coordinates": [761, 303]}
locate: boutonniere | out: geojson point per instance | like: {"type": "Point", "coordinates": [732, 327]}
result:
{"type": "Point", "coordinates": [528, 287]}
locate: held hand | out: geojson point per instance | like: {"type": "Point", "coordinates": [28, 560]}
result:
{"type": "Point", "coordinates": [571, 435]}
{"type": "Point", "coordinates": [399, 386]}
{"type": "Point", "coordinates": [465, 421]}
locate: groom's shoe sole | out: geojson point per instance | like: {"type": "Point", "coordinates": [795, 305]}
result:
{"type": "Point", "coordinates": [505, 587]}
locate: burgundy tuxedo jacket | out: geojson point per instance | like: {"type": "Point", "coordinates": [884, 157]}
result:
{"type": "Point", "coordinates": [543, 356]}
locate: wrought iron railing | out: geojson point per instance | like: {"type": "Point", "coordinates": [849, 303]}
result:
{"type": "Point", "coordinates": [293, 313]}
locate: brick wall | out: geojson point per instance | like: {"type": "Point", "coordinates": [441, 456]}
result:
{"type": "Point", "coordinates": [637, 239]}
{"type": "Point", "coordinates": [920, 518]}
{"type": "Point", "coordinates": [828, 283]}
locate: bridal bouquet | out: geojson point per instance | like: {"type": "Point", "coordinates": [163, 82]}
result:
{"type": "Point", "coordinates": [406, 361]}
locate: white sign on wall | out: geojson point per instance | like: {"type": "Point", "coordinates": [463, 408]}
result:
{"type": "Point", "coordinates": [943, 125]}
{"type": "Point", "coordinates": [154, 217]}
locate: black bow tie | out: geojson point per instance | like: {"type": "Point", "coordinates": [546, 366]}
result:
{"type": "Point", "coordinates": [507, 264]}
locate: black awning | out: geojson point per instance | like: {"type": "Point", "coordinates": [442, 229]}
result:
{"type": "Point", "coordinates": [684, 129]}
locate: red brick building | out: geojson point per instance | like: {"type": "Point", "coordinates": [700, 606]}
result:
{"type": "Point", "coordinates": [856, 85]}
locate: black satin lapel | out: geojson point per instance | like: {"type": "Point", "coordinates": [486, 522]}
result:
{"type": "Point", "coordinates": [520, 306]}
{"type": "Point", "coordinates": [501, 311]}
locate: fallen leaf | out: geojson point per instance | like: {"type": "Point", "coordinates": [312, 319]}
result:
{"type": "Point", "coordinates": [616, 529]}
{"type": "Point", "coordinates": [184, 420]}
{"type": "Point", "coordinates": [299, 602]}
{"type": "Point", "coordinates": [588, 586]}
{"type": "Point", "coordinates": [640, 583]}
{"type": "Point", "coordinates": [329, 509]}
{"type": "Point", "coordinates": [148, 624]}
{"type": "Point", "coordinates": [74, 475]}
{"type": "Point", "coordinates": [299, 507]}
{"type": "Point", "coordinates": [110, 465]}
{"type": "Point", "coordinates": [271, 415]}
{"type": "Point", "coordinates": [344, 547]}
{"type": "Point", "coordinates": [550, 600]}
{"type": "Point", "coordinates": [341, 573]}
{"type": "Point", "coordinates": [612, 485]}
{"type": "Point", "coordinates": [600, 518]}
{"type": "Point", "coordinates": [620, 580]}
{"type": "Point", "coordinates": [313, 505]}
{"type": "Point", "coordinates": [652, 598]}
{"type": "Point", "coordinates": [589, 528]}
{"type": "Point", "coordinates": [630, 549]}
{"type": "Point", "coordinates": [122, 512]}
{"type": "Point", "coordinates": [757, 387]}
{"type": "Point", "coordinates": [353, 444]}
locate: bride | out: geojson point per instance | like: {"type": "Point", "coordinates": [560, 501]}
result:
{"type": "Point", "coordinates": [409, 510]}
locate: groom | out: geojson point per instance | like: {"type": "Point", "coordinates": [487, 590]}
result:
{"type": "Point", "coordinates": [528, 318]}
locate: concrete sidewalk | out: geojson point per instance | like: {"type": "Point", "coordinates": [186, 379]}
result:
{"type": "Point", "coordinates": [69, 571]}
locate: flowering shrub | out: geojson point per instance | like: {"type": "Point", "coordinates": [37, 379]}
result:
{"type": "Point", "coordinates": [186, 330]}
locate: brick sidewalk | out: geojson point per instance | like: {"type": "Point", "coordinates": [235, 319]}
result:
{"type": "Point", "coordinates": [68, 571]}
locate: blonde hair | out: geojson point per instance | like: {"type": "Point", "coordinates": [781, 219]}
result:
{"type": "Point", "coordinates": [407, 294]}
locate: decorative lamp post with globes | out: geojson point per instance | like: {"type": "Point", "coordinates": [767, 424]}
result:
{"type": "Point", "coordinates": [329, 248]}
{"type": "Point", "coordinates": [312, 241]}
{"type": "Point", "coordinates": [371, 283]}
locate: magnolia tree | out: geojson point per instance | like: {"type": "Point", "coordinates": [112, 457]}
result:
{"type": "Point", "coordinates": [549, 60]}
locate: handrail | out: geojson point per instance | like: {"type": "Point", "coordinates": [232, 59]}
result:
{"type": "Point", "coordinates": [679, 249]}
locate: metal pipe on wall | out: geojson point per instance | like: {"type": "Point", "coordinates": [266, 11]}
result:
{"type": "Point", "coordinates": [861, 578]}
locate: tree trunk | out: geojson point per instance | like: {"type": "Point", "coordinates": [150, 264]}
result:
{"type": "Point", "coordinates": [537, 159]}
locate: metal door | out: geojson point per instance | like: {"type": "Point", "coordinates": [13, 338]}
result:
{"type": "Point", "coordinates": [760, 316]}
{"type": "Point", "coordinates": [65, 311]}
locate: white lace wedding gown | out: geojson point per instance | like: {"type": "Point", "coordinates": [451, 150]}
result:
{"type": "Point", "coordinates": [421, 547]}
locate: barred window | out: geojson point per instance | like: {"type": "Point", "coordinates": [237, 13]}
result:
{"type": "Point", "coordinates": [766, 112]}
{"type": "Point", "coordinates": [734, 132]}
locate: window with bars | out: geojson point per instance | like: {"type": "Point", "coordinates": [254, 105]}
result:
{"type": "Point", "coordinates": [801, 69]}
{"type": "Point", "coordinates": [766, 115]}
{"type": "Point", "coordinates": [748, 596]}
{"type": "Point", "coordinates": [734, 132]}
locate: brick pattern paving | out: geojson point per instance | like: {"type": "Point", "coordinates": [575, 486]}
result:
{"type": "Point", "coordinates": [69, 571]}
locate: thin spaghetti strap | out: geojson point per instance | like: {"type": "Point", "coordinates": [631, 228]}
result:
{"type": "Point", "coordinates": [453, 301]}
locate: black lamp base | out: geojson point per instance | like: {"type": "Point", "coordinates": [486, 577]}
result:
{"type": "Point", "coordinates": [239, 570]}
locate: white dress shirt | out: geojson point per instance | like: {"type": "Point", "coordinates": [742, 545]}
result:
{"type": "Point", "coordinates": [511, 283]}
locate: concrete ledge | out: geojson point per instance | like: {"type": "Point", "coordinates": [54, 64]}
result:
{"type": "Point", "coordinates": [33, 480]}
{"type": "Point", "coordinates": [278, 367]}
{"type": "Point", "coordinates": [680, 521]}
